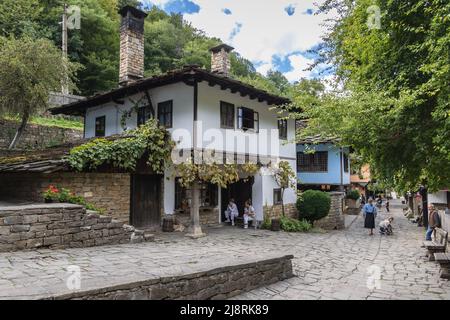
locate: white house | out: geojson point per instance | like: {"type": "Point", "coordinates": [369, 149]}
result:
{"type": "Point", "coordinates": [203, 110]}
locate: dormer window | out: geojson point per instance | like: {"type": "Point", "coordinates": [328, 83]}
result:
{"type": "Point", "coordinates": [248, 119]}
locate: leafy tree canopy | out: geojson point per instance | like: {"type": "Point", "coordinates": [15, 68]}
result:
{"type": "Point", "coordinates": [394, 105]}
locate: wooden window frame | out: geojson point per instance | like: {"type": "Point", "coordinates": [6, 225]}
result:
{"type": "Point", "coordinates": [346, 164]}
{"type": "Point", "coordinates": [97, 134]}
{"type": "Point", "coordinates": [143, 115]}
{"type": "Point", "coordinates": [282, 129]}
{"type": "Point", "coordinates": [313, 162]}
{"type": "Point", "coordinates": [254, 119]}
{"type": "Point", "coordinates": [209, 195]}
{"type": "Point", "coordinates": [165, 104]}
{"type": "Point", "coordinates": [225, 108]}
{"type": "Point", "coordinates": [279, 201]}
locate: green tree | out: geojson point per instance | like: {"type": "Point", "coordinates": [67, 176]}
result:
{"type": "Point", "coordinates": [394, 106]}
{"type": "Point", "coordinates": [29, 70]}
{"type": "Point", "coordinates": [285, 178]}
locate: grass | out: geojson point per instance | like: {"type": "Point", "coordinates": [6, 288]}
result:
{"type": "Point", "coordinates": [53, 122]}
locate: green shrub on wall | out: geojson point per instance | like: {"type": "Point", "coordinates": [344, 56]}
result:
{"type": "Point", "coordinates": [313, 205]}
{"type": "Point", "coordinates": [353, 194]}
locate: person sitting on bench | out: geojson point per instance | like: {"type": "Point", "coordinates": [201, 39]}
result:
{"type": "Point", "coordinates": [232, 212]}
{"type": "Point", "coordinates": [249, 214]}
{"type": "Point", "coordinates": [434, 221]}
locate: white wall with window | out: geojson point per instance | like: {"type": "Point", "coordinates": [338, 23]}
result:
{"type": "Point", "coordinates": [328, 165]}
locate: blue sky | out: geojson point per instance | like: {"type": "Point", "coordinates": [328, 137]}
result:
{"type": "Point", "coordinates": [273, 34]}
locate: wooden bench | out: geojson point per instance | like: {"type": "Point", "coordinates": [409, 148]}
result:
{"type": "Point", "coordinates": [438, 245]}
{"type": "Point", "coordinates": [444, 261]}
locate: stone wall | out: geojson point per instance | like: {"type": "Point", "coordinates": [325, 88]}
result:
{"type": "Point", "coordinates": [276, 211]}
{"type": "Point", "coordinates": [217, 284]}
{"type": "Point", "coordinates": [208, 217]}
{"type": "Point", "coordinates": [335, 219]}
{"type": "Point", "coordinates": [60, 225]}
{"type": "Point", "coordinates": [35, 136]}
{"type": "Point", "coordinates": [107, 191]}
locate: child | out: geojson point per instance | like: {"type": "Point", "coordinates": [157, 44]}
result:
{"type": "Point", "coordinates": [386, 226]}
{"type": "Point", "coordinates": [249, 214]}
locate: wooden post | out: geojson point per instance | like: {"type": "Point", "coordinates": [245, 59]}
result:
{"type": "Point", "coordinates": [195, 230]}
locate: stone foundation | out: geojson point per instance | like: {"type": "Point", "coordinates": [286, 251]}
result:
{"type": "Point", "coordinates": [60, 225]}
{"type": "Point", "coordinates": [335, 219]}
{"type": "Point", "coordinates": [208, 217]}
{"type": "Point", "coordinates": [107, 191]}
{"type": "Point", "coordinates": [217, 284]}
{"type": "Point", "coordinates": [274, 212]}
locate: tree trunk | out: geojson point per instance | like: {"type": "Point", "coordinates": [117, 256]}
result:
{"type": "Point", "coordinates": [20, 130]}
{"type": "Point", "coordinates": [195, 230]}
{"type": "Point", "coordinates": [282, 202]}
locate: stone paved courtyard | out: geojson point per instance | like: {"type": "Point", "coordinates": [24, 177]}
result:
{"type": "Point", "coordinates": [333, 265]}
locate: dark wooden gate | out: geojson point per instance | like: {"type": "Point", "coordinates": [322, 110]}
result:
{"type": "Point", "coordinates": [240, 191]}
{"type": "Point", "coordinates": [145, 202]}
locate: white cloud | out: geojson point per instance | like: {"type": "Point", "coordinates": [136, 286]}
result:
{"type": "Point", "coordinates": [300, 64]}
{"type": "Point", "coordinates": [266, 28]}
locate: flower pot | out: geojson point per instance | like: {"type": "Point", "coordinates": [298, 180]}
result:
{"type": "Point", "coordinates": [275, 225]}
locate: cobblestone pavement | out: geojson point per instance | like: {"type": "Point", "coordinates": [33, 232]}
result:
{"type": "Point", "coordinates": [340, 265]}
{"type": "Point", "coordinates": [331, 265]}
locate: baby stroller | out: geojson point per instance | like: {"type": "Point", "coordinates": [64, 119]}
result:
{"type": "Point", "coordinates": [386, 230]}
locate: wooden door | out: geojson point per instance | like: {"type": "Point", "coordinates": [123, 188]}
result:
{"type": "Point", "coordinates": [145, 201]}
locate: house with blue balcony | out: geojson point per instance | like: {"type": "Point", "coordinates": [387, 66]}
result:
{"type": "Point", "coordinates": [322, 165]}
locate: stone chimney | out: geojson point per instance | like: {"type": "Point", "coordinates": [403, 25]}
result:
{"type": "Point", "coordinates": [220, 59]}
{"type": "Point", "coordinates": [131, 45]}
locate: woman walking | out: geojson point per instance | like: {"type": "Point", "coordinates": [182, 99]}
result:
{"type": "Point", "coordinates": [370, 213]}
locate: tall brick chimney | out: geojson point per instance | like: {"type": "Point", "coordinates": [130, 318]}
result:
{"type": "Point", "coordinates": [220, 59]}
{"type": "Point", "coordinates": [131, 45]}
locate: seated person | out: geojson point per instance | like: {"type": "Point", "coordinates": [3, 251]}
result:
{"type": "Point", "coordinates": [249, 214]}
{"type": "Point", "coordinates": [232, 212]}
{"type": "Point", "coordinates": [386, 226]}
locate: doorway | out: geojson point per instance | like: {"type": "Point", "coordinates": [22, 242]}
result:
{"type": "Point", "coordinates": [145, 204]}
{"type": "Point", "coordinates": [240, 191]}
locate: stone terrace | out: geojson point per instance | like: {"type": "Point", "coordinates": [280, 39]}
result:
{"type": "Point", "coordinates": [331, 265]}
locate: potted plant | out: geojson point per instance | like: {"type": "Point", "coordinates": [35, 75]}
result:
{"type": "Point", "coordinates": [51, 194]}
{"type": "Point", "coordinates": [352, 198]}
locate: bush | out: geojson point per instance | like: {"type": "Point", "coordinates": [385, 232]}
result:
{"type": "Point", "coordinates": [313, 205]}
{"type": "Point", "coordinates": [294, 225]}
{"type": "Point", "coordinates": [353, 195]}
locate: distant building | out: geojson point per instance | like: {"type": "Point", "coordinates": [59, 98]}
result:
{"type": "Point", "coordinates": [322, 165]}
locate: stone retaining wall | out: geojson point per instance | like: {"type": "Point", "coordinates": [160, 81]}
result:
{"type": "Point", "coordinates": [60, 225]}
{"type": "Point", "coordinates": [335, 219]}
{"type": "Point", "coordinates": [220, 283]}
{"type": "Point", "coordinates": [35, 136]}
{"type": "Point", "coordinates": [107, 191]}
